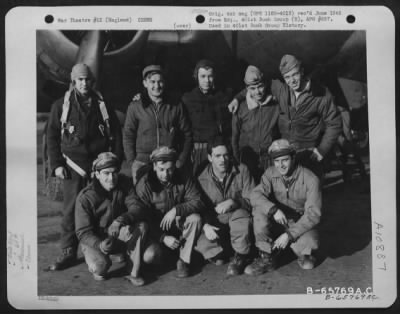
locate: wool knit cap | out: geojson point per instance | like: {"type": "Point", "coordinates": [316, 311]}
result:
{"type": "Point", "coordinates": [163, 153]}
{"type": "Point", "coordinates": [151, 68]}
{"type": "Point", "coordinates": [81, 70]}
{"type": "Point", "coordinates": [253, 75]}
{"type": "Point", "coordinates": [106, 160]}
{"type": "Point", "coordinates": [204, 63]}
{"type": "Point", "coordinates": [280, 148]}
{"type": "Point", "coordinates": [288, 62]}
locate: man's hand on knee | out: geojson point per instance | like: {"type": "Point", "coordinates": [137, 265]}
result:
{"type": "Point", "coordinates": [107, 245]}
{"type": "Point", "coordinates": [210, 232]}
{"type": "Point", "coordinates": [171, 242]}
{"type": "Point", "coordinates": [282, 241]}
{"type": "Point", "coordinates": [168, 219]}
{"type": "Point", "coordinates": [113, 229]}
{"type": "Point", "coordinates": [280, 218]}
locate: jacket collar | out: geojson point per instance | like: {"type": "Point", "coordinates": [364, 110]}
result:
{"type": "Point", "coordinates": [209, 173]}
{"type": "Point", "coordinates": [199, 91]}
{"type": "Point", "coordinates": [157, 186]}
{"type": "Point", "coordinates": [98, 188]}
{"type": "Point", "coordinates": [312, 87]}
{"type": "Point", "coordinates": [252, 103]}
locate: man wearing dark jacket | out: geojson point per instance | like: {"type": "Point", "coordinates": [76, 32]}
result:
{"type": "Point", "coordinates": [103, 225]}
{"type": "Point", "coordinates": [227, 187]}
{"type": "Point", "coordinates": [171, 204]}
{"type": "Point", "coordinates": [80, 127]}
{"type": "Point", "coordinates": [308, 115]}
{"type": "Point", "coordinates": [255, 125]}
{"type": "Point", "coordinates": [286, 209]}
{"type": "Point", "coordinates": [155, 120]}
{"type": "Point", "coordinates": [208, 112]}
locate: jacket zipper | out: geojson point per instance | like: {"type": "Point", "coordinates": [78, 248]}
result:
{"type": "Point", "coordinates": [155, 111]}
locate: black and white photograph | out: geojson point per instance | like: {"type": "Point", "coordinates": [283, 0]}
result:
{"type": "Point", "coordinates": [205, 162]}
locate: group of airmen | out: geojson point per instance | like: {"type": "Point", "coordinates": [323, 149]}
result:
{"type": "Point", "coordinates": [233, 178]}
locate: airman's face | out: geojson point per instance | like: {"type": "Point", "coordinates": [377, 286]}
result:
{"type": "Point", "coordinates": [154, 84]}
{"type": "Point", "coordinates": [108, 178]}
{"type": "Point", "coordinates": [294, 78]}
{"type": "Point", "coordinates": [220, 159]}
{"type": "Point", "coordinates": [257, 91]}
{"type": "Point", "coordinates": [164, 170]}
{"type": "Point", "coordinates": [205, 79]}
{"type": "Point", "coordinates": [83, 85]}
{"type": "Point", "coordinates": [284, 164]}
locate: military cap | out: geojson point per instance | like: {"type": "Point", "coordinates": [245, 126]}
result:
{"type": "Point", "coordinates": [106, 160]}
{"type": "Point", "coordinates": [288, 62]}
{"type": "Point", "coordinates": [253, 75]}
{"type": "Point", "coordinates": [79, 70]}
{"type": "Point", "coordinates": [280, 148]}
{"type": "Point", "coordinates": [163, 153]}
{"type": "Point", "coordinates": [151, 68]}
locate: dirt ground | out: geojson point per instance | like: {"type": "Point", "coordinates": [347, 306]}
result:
{"type": "Point", "coordinates": [345, 255]}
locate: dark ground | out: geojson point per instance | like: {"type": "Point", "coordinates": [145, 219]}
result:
{"type": "Point", "coordinates": [345, 257]}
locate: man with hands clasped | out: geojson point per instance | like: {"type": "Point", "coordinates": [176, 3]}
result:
{"type": "Point", "coordinates": [286, 210]}
{"type": "Point", "coordinates": [227, 187]}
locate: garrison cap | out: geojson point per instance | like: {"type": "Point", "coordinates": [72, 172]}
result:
{"type": "Point", "coordinates": [288, 62]}
{"type": "Point", "coordinates": [280, 148]}
{"type": "Point", "coordinates": [253, 75]}
{"type": "Point", "coordinates": [79, 70]}
{"type": "Point", "coordinates": [106, 160]}
{"type": "Point", "coordinates": [163, 153]}
{"type": "Point", "coordinates": [151, 68]}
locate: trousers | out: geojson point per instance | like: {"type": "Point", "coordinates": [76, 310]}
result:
{"type": "Point", "coordinates": [266, 230]}
{"type": "Point", "coordinates": [72, 186]}
{"type": "Point", "coordinates": [132, 240]}
{"type": "Point", "coordinates": [187, 230]}
{"type": "Point", "coordinates": [234, 227]}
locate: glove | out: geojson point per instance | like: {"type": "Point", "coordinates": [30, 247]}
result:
{"type": "Point", "coordinates": [106, 245]}
{"type": "Point", "coordinates": [113, 229]}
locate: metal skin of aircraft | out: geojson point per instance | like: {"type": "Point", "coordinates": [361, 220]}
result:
{"type": "Point", "coordinates": [117, 58]}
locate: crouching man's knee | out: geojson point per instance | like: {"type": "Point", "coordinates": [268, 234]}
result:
{"type": "Point", "coordinates": [99, 268]}
{"type": "Point", "coordinates": [128, 232]}
{"type": "Point", "coordinates": [152, 254]}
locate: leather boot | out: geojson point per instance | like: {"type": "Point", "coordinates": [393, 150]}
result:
{"type": "Point", "coordinates": [66, 259]}
{"type": "Point", "coordinates": [262, 264]}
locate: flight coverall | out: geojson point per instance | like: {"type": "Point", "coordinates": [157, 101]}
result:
{"type": "Point", "coordinates": [299, 199]}
{"type": "Point", "coordinates": [237, 223]}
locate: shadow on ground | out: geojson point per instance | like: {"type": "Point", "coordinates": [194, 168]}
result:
{"type": "Point", "coordinates": [346, 224]}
